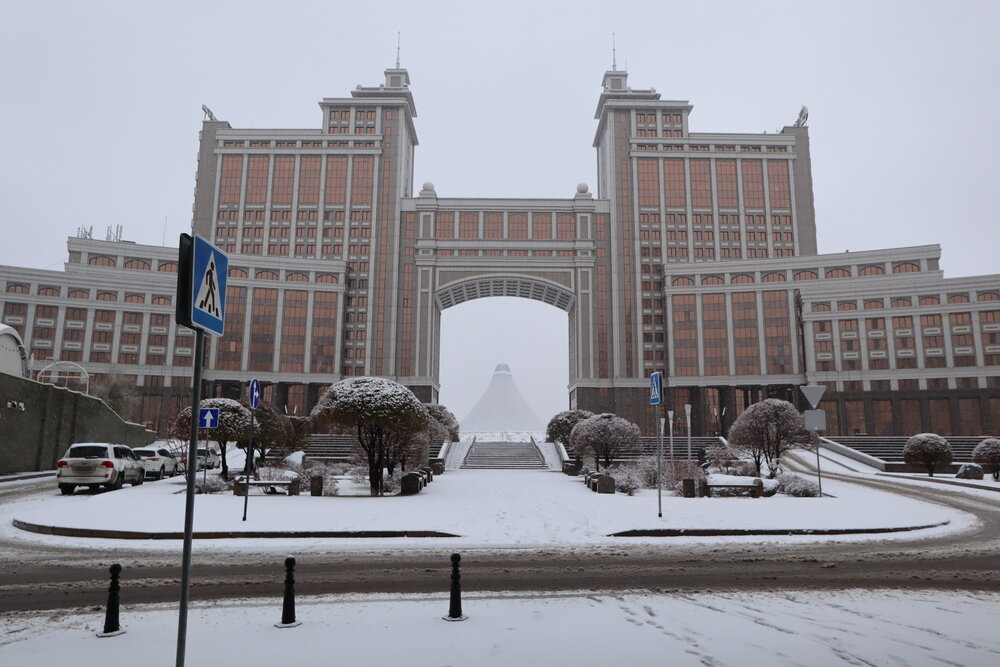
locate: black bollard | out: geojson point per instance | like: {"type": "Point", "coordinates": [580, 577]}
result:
{"type": "Point", "coordinates": [455, 608]}
{"type": "Point", "coordinates": [288, 606]}
{"type": "Point", "coordinates": [111, 625]}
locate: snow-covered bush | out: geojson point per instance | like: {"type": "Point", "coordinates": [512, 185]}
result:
{"type": "Point", "coordinates": [604, 436]}
{"type": "Point", "coordinates": [210, 484]}
{"type": "Point", "coordinates": [673, 472]}
{"type": "Point", "coordinates": [444, 417]}
{"type": "Point", "coordinates": [987, 454]}
{"type": "Point", "coordinates": [628, 478]}
{"type": "Point", "coordinates": [767, 430]}
{"type": "Point", "coordinates": [561, 425]}
{"type": "Point", "coordinates": [800, 487]}
{"type": "Point", "coordinates": [929, 450]}
{"type": "Point", "coordinates": [358, 474]}
{"type": "Point", "coordinates": [722, 458]}
{"type": "Point", "coordinates": [390, 483]}
{"type": "Point", "coordinates": [275, 473]}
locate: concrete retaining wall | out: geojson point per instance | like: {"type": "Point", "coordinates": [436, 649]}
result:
{"type": "Point", "coordinates": [39, 421]}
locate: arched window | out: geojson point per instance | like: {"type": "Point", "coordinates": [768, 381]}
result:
{"type": "Point", "coordinates": [929, 300]}
{"type": "Point", "coordinates": [820, 307]}
{"type": "Point", "coordinates": [135, 298]}
{"type": "Point", "coordinates": [905, 267]}
{"type": "Point", "coordinates": [958, 298]}
{"type": "Point", "coordinates": [17, 288]}
{"type": "Point", "coordinates": [774, 278]}
{"type": "Point", "coordinates": [237, 272]}
{"type": "Point", "coordinates": [162, 300]}
{"type": "Point", "coordinates": [266, 275]}
{"type": "Point", "coordinates": [137, 264]}
{"type": "Point", "coordinates": [107, 296]}
{"type": "Point", "coordinates": [806, 275]}
{"type": "Point", "coordinates": [871, 304]}
{"type": "Point", "coordinates": [49, 291]}
{"type": "Point", "coordinates": [847, 305]}
{"type": "Point", "coordinates": [901, 302]}
{"type": "Point", "coordinates": [79, 294]}
{"type": "Point", "coordinates": [838, 273]}
{"type": "Point", "coordinates": [711, 280]}
{"type": "Point", "coordinates": [102, 260]}
{"type": "Point", "coordinates": [988, 296]}
{"type": "Point", "coordinates": [167, 267]}
{"type": "Point", "coordinates": [742, 279]}
{"type": "Point", "coordinates": [682, 281]}
{"type": "Point", "coordinates": [873, 270]}
{"type": "Point", "coordinates": [326, 278]}
{"type": "Point", "coordinates": [297, 277]}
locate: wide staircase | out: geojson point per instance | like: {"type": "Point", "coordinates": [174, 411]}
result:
{"type": "Point", "coordinates": [504, 456]}
{"type": "Point", "coordinates": [890, 448]}
{"type": "Point", "coordinates": [331, 447]}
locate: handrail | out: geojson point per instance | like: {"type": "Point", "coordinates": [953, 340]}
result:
{"type": "Point", "coordinates": [469, 450]}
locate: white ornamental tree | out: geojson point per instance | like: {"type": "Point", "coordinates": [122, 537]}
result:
{"type": "Point", "coordinates": [987, 454]}
{"type": "Point", "coordinates": [767, 430]}
{"type": "Point", "coordinates": [605, 436]}
{"type": "Point", "coordinates": [561, 425]}
{"type": "Point", "coordinates": [444, 417]}
{"type": "Point", "coordinates": [380, 411]}
{"type": "Point", "coordinates": [929, 450]}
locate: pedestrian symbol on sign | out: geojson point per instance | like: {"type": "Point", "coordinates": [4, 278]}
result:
{"type": "Point", "coordinates": [208, 300]}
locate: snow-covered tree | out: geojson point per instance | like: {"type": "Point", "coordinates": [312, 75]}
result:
{"type": "Point", "coordinates": [410, 450]}
{"type": "Point", "coordinates": [721, 457]}
{"type": "Point", "coordinates": [272, 430]}
{"type": "Point", "coordinates": [380, 411]}
{"type": "Point", "coordinates": [929, 450]}
{"type": "Point", "coordinates": [444, 417]}
{"type": "Point", "coordinates": [987, 454]}
{"type": "Point", "coordinates": [234, 425]}
{"type": "Point", "coordinates": [767, 430]}
{"type": "Point", "coordinates": [605, 436]}
{"type": "Point", "coordinates": [561, 425]}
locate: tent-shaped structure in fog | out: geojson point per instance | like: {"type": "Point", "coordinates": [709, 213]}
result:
{"type": "Point", "coordinates": [501, 408]}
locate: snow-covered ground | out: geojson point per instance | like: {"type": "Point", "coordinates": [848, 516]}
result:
{"type": "Point", "coordinates": [487, 508]}
{"type": "Point", "coordinates": [852, 627]}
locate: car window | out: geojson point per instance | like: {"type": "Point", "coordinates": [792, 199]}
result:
{"type": "Point", "coordinates": [144, 452]}
{"type": "Point", "coordinates": [87, 452]}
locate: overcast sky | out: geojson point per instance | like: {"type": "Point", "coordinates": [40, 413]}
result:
{"type": "Point", "coordinates": [100, 107]}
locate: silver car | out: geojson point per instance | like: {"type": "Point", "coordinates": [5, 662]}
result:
{"type": "Point", "coordinates": [97, 464]}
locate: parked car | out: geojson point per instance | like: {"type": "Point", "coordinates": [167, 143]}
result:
{"type": "Point", "coordinates": [97, 464]}
{"type": "Point", "coordinates": [157, 462]}
{"type": "Point", "coordinates": [209, 457]}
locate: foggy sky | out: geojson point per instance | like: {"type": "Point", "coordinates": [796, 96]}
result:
{"type": "Point", "coordinates": [101, 107]}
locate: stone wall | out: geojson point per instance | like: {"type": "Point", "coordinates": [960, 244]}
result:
{"type": "Point", "coordinates": [39, 421]}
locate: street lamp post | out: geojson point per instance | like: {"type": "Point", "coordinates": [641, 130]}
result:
{"type": "Point", "coordinates": [687, 412]}
{"type": "Point", "coordinates": [670, 418]}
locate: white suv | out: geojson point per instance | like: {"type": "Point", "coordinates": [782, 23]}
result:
{"type": "Point", "coordinates": [157, 462]}
{"type": "Point", "coordinates": [97, 464]}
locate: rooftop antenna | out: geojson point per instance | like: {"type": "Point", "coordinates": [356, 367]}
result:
{"type": "Point", "coordinates": [397, 49]}
{"type": "Point", "coordinates": [614, 54]}
{"type": "Point", "coordinates": [208, 113]}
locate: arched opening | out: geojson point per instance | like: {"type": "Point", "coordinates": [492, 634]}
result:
{"type": "Point", "coordinates": [528, 334]}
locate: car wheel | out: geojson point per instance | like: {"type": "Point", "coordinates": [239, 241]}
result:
{"type": "Point", "coordinates": [162, 473]}
{"type": "Point", "coordinates": [119, 481]}
{"type": "Point", "coordinates": [67, 489]}
{"type": "Point", "coordinates": [141, 479]}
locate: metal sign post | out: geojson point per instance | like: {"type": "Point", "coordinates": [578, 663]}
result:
{"type": "Point", "coordinates": [656, 398]}
{"type": "Point", "coordinates": [670, 418]}
{"type": "Point", "coordinates": [248, 465]}
{"type": "Point", "coordinates": [815, 421]}
{"type": "Point", "coordinates": [687, 411]}
{"type": "Point", "coordinates": [202, 270]}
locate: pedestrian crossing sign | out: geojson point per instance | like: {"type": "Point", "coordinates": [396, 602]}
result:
{"type": "Point", "coordinates": [209, 270]}
{"type": "Point", "coordinates": [655, 388]}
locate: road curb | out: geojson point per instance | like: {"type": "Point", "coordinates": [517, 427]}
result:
{"type": "Point", "coordinates": [934, 480]}
{"type": "Point", "coordinates": [219, 535]}
{"type": "Point", "coordinates": [28, 475]}
{"type": "Point", "coordinates": [721, 532]}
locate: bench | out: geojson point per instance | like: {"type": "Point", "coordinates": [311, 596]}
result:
{"type": "Point", "coordinates": [756, 487]}
{"type": "Point", "coordinates": [241, 483]}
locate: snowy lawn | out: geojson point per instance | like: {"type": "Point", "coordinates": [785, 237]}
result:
{"type": "Point", "coordinates": [486, 508]}
{"type": "Point", "coordinates": [854, 627]}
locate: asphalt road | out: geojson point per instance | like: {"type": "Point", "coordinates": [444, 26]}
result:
{"type": "Point", "coordinates": [36, 576]}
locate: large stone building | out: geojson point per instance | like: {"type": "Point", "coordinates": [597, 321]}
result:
{"type": "Point", "coordinates": [696, 255]}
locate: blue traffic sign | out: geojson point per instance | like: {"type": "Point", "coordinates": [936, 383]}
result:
{"type": "Point", "coordinates": [209, 270]}
{"type": "Point", "coordinates": [254, 393]}
{"type": "Point", "coordinates": [655, 388]}
{"type": "Point", "coordinates": [208, 417]}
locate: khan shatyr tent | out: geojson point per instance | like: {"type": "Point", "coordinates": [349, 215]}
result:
{"type": "Point", "coordinates": [502, 408]}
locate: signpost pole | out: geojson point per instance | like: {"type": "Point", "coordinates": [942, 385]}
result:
{"type": "Point", "coordinates": [659, 465]}
{"type": "Point", "coordinates": [819, 476]}
{"type": "Point", "coordinates": [248, 466]}
{"type": "Point", "coordinates": [687, 411]}
{"type": "Point", "coordinates": [670, 418]}
{"type": "Point", "coordinates": [815, 420]}
{"type": "Point", "coordinates": [199, 350]}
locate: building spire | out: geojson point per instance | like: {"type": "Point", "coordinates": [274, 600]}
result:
{"type": "Point", "coordinates": [397, 49]}
{"type": "Point", "coordinates": [614, 54]}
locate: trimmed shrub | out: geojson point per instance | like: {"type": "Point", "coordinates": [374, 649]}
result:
{"type": "Point", "coordinates": [210, 484]}
{"type": "Point", "coordinates": [929, 450]}
{"type": "Point", "coordinates": [800, 487]}
{"type": "Point", "coordinates": [628, 478]}
{"type": "Point", "coordinates": [987, 454]}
